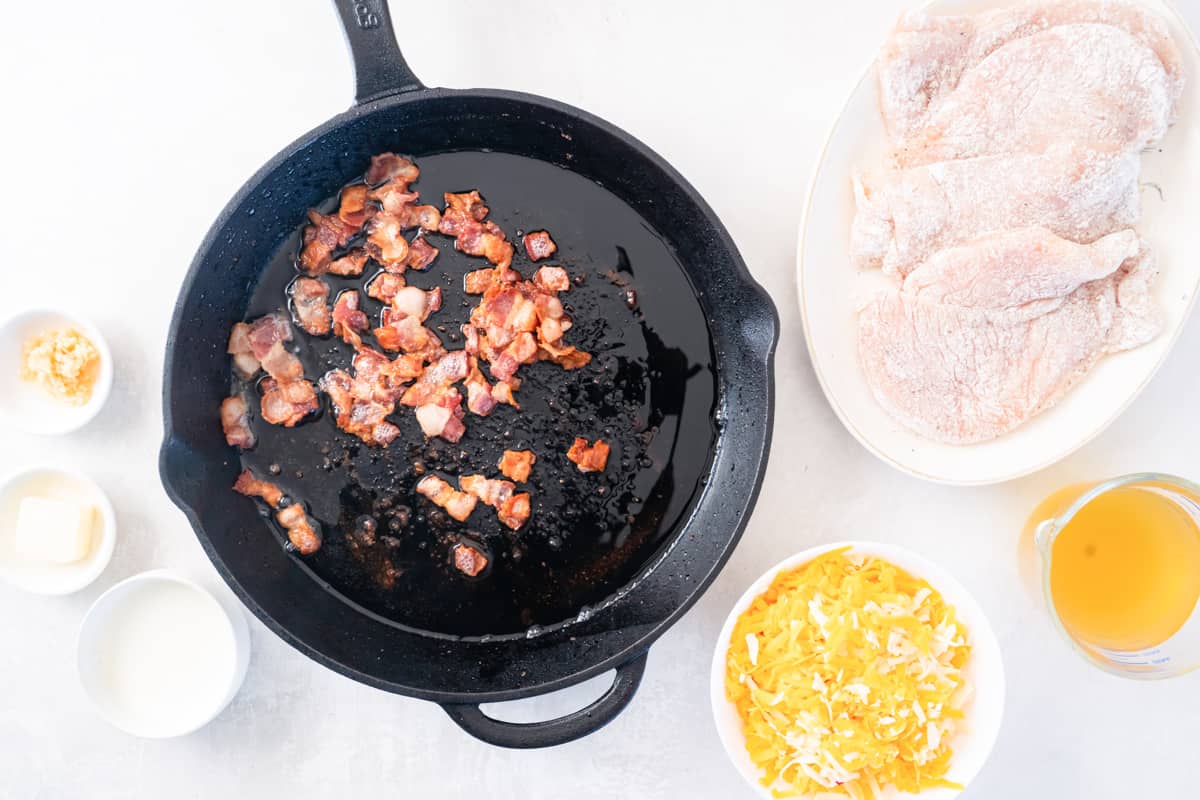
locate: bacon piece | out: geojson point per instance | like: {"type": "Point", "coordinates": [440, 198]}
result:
{"type": "Point", "coordinates": [282, 365]}
{"type": "Point", "coordinates": [479, 281]}
{"type": "Point", "coordinates": [517, 464]}
{"type": "Point", "coordinates": [389, 166]}
{"type": "Point", "coordinates": [300, 529]}
{"type": "Point", "coordinates": [462, 210]}
{"type": "Point", "coordinates": [515, 511]}
{"type": "Point", "coordinates": [386, 243]}
{"type": "Point", "coordinates": [413, 302]}
{"type": "Point", "coordinates": [494, 493]}
{"type": "Point", "coordinates": [407, 334]}
{"type": "Point", "coordinates": [552, 279]}
{"type": "Point", "coordinates": [310, 305]}
{"type": "Point", "coordinates": [235, 422]}
{"type": "Point", "coordinates": [437, 401]}
{"type": "Point", "coordinates": [480, 400]}
{"type": "Point", "coordinates": [362, 402]}
{"type": "Point", "coordinates": [250, 486]}
{"type": "Point", "coordinates": [287, 402]}
{"type": "Point", "coordinates": [522, 350]}
{"type": "Point", "coordinates": [568, 357]}
{"type": "Point", "coordinates": [401, 205]}
{"type": "Point", "coordinates": [245, 363]}
{"type": "Point", "coordinates": [458, 505]}
{"type": "Point", "coordinates": [464, 220]}
{"type": "Point", "coordinates": [421, 253]}
{"type": "Point", "coordinates": [468, 560]}
{"type": "Point", "coordinates": [348, 320]}
{"type": "Point", "coordinates": [349, 265]}
{"type": "Point", "coordinates": [539, 245]}
{"type": "Point", "coordinates": [353, 209]}
{"type": "Point", "coordinates": [267, 331]}
{"type": "Point", "coordinates": [383, 286]}
{"type": "Point", "coordinates": [325, 234]}
{"type": "Point", "coordinates": [502, 392]}
{"type": "Point", "coordinates": [589, 458]}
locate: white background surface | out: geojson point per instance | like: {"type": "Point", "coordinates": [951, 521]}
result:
{"type": "Point", "coordinates": [127, 126]}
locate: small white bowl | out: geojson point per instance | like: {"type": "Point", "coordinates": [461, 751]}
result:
{"type": "Point", "coordinates": [28, 406]}
{"type": "Point", "coordinates": [56, 484]}
{"type": "Point", "coordinates": [984, 671]}
{"type": "Point", "coordinates": [161, 657]}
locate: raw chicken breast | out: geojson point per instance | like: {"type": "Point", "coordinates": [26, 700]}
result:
{"type": "Point", "coordinates": [972, 370]}
{"type": "Point", "coordinates": [926, 55]}
{"type": "Point", "coordinates": [905, 216]}
{"type": "Point", "coordinates": [1095, 84]}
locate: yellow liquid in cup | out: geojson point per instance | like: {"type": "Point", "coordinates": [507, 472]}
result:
{"type": "Point", "coordinates": [1125, 571]}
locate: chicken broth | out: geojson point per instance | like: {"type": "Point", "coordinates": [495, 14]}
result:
{"type": "Point", "coordinates": [649, 392]}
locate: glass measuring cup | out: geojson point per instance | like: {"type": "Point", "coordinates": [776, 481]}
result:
{"type": "Point", "coordinates": [1120, 572]}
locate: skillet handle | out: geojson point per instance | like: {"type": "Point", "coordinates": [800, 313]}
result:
{"type": "Point", "coordinates": [379, 68]}
{"type": "Point", "coordinates": [528, 735]}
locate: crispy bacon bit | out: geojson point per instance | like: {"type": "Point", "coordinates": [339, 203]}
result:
{"type": "Point", "coordinates": [413, 302]}
{"type": "Point", "coordinates": [287, 402]}
{"type": "Point", "coordinates": [250, 486]}
{"type": "Point", "coordinates": [494, 493]}
{"type": "Point", "coordinates": [517, 464]}
{"type": "Point", "coordinates": [245, 363]}
{"type": "Point", "coordinates": [235, 421]}
{"type": "Point", "coordinates": [349, 265]}
{"type": "Point", "coordinates": [539, 245]}
{"type": "Point", "coordinates": [437, 401]}
{"type": "Point", "coordinates": [458, 505]}
{"type": "Point", "coordinates": [362, 402]}
{"type": "Point", "coordinates": [310, 305]}
{"type": "Point", "coordinates": [552, 279]}
{"type": "Point", "coordinates": [282, 365]}
{"type": "Point", "coordinates": [353, 209]}
{"type": "Point", "coordinates": [321, 238]}
{"type": "Point", "coordinates": [502, 392]}
{"type": "Point", "coordinates": [479, 281]}
{"type": "Point", "coordinates": [464, 220]}
{"type": "Point", "coordinates": [568, 357]}
{"type": "Point", "coordinates": [421, 254]}
{"type": "Point", "coordinates": [389, 166]}
{"type": "Point", "coordinates": [589, 458]}
{"type": "Point", "coordinates": [383, 286]}
{"type": "Point", "coordinates": [515, 511]}
{"type": "Point", "coordinates": [267, 331]}
{"type": "Point", "coordinates": [468, 560]}
{"type": "Point", "coordinates": [348, 320]}
{"type": "Point", "coordinates": [300, 529]}
{"type": "Point", "coordinates": [386, 243]}
{"type": "Point", "coordinates": [479, 392]}
{"type": "Point", "coordinates": [401, 205]}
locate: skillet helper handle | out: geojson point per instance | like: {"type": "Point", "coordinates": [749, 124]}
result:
{"type": "Point", "coordinates": [529, 735]}
{"type": "Point", "coordinates": [379, 68]}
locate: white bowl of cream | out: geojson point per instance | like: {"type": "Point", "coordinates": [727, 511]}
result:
{"type": "Point", "coordinates": [160, 657]}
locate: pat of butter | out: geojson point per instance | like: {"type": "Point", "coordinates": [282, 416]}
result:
{"type": "Point", "coordinates": [53, 531]}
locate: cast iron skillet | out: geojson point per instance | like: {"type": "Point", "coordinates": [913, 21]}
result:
{"type": "Point", "coordinates": [394, 111]}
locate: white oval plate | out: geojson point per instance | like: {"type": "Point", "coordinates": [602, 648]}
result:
{"type": "Point", "coordinates": [829, 284]}
{"type": "Point", "coordinates": [984, 671]}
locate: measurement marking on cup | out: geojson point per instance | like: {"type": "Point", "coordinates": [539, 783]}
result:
{"type": "Point", "coordinates": [365, 17]}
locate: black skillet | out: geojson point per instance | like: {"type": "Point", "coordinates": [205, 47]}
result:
{"type": "Point", "coordinates": [303, 601]}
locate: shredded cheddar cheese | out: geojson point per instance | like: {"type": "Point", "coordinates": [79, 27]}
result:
{"type": "Point", "coordinates": [847, 676]}
{"type": "Point", "coordinates": [64, 362]}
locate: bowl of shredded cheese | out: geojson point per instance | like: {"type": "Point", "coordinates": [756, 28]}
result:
{"type": "Point", "coordinates": [56, 369]}
{"type": "Point", "coordinates": [857, 670]}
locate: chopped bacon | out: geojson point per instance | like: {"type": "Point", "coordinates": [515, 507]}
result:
{"type": "Point", "coordinates": [413, 302]}
{"type": "Point", "coordinates": [517, 464]}
{"type": "Point", "coordinates": [287, 402]}
{"type": "Point", "coordinates": [502, 392]}
{"type": "Point", "coordinates": [492, 492]}
{"type": "Point", "coordinates": [552, 279]}
{"type": "Point", "coordinates": [310, 305]}
{"type": "Point", "coordinates": [250, 486]}
{"type": "Point", "coordinates": [464, 220]}
{"type": "Point", "coordinates": [468, 560]}
{"type": "Point", "coordinates": [539, 245]}
{"type": "Point", "coordinates": [479, 281]}
{"type": "Point", "coordinates": [401, 205]}
{"type": "Point", "coordinates": [300, 529]}
{"type": "Point", "coordinates": [235, 421]}
{"type": "Point", "coordinates": [282, 365]}
{"type": "Point", "coordinates": [348, 320]}
{"type": "Point", "coordinates": [437, 401]}
{"type": "Point", "coordinates": [522, 350]}
{"type": "Point", "coordinates": [458, 505]}
{"type": "Point", "coordinates": [568, 357]}
{"type": "Point", "coordinates": [245, 363]}
{"type": "Point", "coordinates": [362, 402]}
{"type": "Point", "coordinates": [389, 166]}
{"type": "Point", "coordinates": [479, 392]}
{"type": "Point", "coordinates": [326, 233]}
{"type": "Point", "coordinates": [589, 458]}
{"type": "Point", "coordinates": [349, 265]}
{"type": "Point", "coordinates": [515, 511]}
{"type": "Point", "coordinates": [383, 286]}
{"type": "Point", "coordinates": [408, 335]}
{"type": "Point", "coordinates": [353, 209]}
{"type": "Point", "coordinates": [267, 331]}
{"type": "Point", "coordinates": [386, 243]}
{"type": "Point", "coordinates": [421, 253]}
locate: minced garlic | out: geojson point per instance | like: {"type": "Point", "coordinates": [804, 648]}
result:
{"type": "Point", "coordinates": [854, 680]}
{"type": "Point", "coordinates": [64, 362]}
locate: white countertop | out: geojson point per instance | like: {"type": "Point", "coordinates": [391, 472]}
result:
{"type": "Point", "coordinates": [123, 114]}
